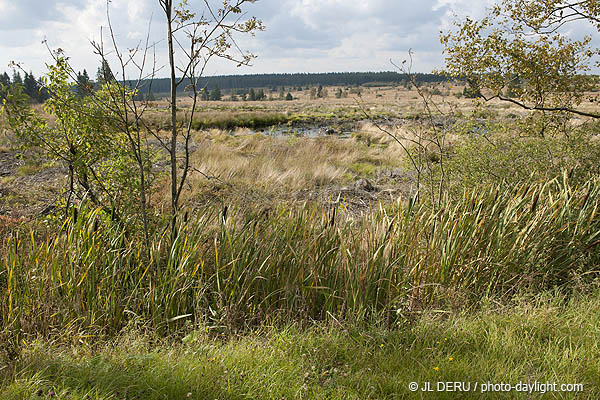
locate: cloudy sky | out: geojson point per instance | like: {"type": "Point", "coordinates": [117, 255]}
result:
{"type": "Point", "coordinates": [300, 35]}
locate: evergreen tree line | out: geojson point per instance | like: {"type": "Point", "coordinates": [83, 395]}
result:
{"type": "Point", "coordinates": [212, 87]}
{"type": "Point", "coordinates": [38, 94]}
{"type": "Point", "coordinates": [29, 84]}
{"type": "Point", "coordinates": [238, 86]}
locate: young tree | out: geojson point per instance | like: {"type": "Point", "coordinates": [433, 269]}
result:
{"type": "Point", "coordinates": [84, 135]}
{"type": "Point", "coordinates": [215, 95]}
{"type": "Point", "coordinates": [104, 136]}
{"type": "Point", "coordinates": [523, 41]}
{"type": "Point", "coordinates": [211, 35]}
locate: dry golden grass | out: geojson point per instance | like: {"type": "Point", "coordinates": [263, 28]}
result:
{"type": "Point", "coordinates": [227, 165]}
{"type": "Point", "coordinates": [398, 101]}
{"type": "Point", "coordinates": [294, 162]}
{"type": "Point", "coordinates": [243, 161]}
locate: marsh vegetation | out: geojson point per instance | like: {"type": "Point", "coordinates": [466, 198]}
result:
{"type": "Point", "coordinates": [327, 241]}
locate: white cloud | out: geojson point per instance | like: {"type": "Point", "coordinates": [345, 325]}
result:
{"type": "Point", "coordinates": [301, 35]}
{"type": "Point", "coordinates": [7, 7]}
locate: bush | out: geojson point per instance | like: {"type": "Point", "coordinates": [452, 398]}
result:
{"type": "Point", "coordinates": [494, 154]}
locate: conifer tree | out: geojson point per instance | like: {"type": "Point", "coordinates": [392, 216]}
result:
{"type": "Point", "coordinates": [84, 84]}
{"type": "Point", "coordinates": [104, 74]}
{"type": "Point", "coordinates": [17, 80]}
{"type": "Point", "coordinates": [4, 83]}
{"type": "Point", "coordinates": [204, 95]}
{"type": "Point", "coordinates": [215, 95]}
{"type": "Point", "coordinates": [5, 79]}
{"type": "Point", "coordinates": [31, 87]}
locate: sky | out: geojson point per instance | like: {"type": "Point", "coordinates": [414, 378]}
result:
{"type": "Point", "coordinates": [299, 35]}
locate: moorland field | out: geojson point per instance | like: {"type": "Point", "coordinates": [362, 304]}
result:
{"type": "Point", "coordinates": [338, 247]}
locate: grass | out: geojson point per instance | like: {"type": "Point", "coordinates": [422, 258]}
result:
{"type": "Point", "coordinates": [234, 269]}
{"type": "Point", "coordinates": [229, 121]}
{"type": "Point", "coordinates": [546, 338]}
{"type": "Point", "coordinates": [257, 299]}
{"type": "Point", "coordinates": [363, 168]}
{"type": "Point", "coordinates": [277, 167]}
{"type": "Point", "coordinates": [32, 167]}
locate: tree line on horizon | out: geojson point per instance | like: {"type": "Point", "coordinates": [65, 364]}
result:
{"type": "Point", "coordinates": [37, 92]}
{"type": "Point", "coordinates": [240, 86]}
{"type": "Point", "coordinates": [298, 81]}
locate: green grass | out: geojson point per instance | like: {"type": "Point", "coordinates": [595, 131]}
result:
{"type": "Point", "coordinates": [370, 302]}
{"type": "Point", "coordinates": [285, 265]}
{"type": "Point", "coordinates": [32, 167]}
{"type": "Point", "coordinates": [543, 338]}
{"type": "Point", "coordinates": [229, 121]}
{"type": "Point", "coordinates": [362, 168]}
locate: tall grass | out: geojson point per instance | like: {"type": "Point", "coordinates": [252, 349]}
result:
{"type": "Point", "coordinates": [241, 267]}
{"type": "Point", "coordinates": [254, 120]}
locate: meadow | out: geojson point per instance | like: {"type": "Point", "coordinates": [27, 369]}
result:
{"type": "Point", "coordinates": [327, 248]}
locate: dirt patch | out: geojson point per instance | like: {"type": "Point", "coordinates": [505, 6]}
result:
{"type": "Point", "coordinates": [9, 162]}
{"type": "Point", "coordinates": [27, 194]}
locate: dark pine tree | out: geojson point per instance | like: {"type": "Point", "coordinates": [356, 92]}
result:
{"type": "Point", "coordinates": [84, 84]}
{"type": "Point", "coordinates": [5, 79]}
{"type": "Point", "coordinates": [204, 95]}
{"type": "Point", "coordinates": [17, 80]}
{"type": "Point", "coordinates": [4, 84]}
{"type": "Point", "coordinates": [104, 74]}
{"type": "Point", "coordinates": [215, 94]}
{"type": "Point", "coordinates": [31, 87]}
{"type": "Point", "coordinates": [320, 92]}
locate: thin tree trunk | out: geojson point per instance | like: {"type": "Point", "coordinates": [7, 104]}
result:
{"type": "Point", "coordinates": [174, 203]}
{"type": "Point", "coordinates": [143, 201]}
{"type": "Point", "coordinates": [71, 189]}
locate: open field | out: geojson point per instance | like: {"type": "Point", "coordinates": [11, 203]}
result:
{"type": "Point", "coordinates": [327, 248]}
{"type": "Point", "coordinates": [280, 150]}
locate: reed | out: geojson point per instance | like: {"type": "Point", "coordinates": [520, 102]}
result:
{"type": "Point", "coordinates": [238, 268]}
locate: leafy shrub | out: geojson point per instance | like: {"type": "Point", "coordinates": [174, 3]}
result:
{"type": "Point", "coordinates": [491, 153]}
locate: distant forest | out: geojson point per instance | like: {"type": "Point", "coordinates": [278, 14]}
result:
{"type": "Point", "coordinates": [301, 80]}
{"type": "Point", "coordinates": [232, 83]}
